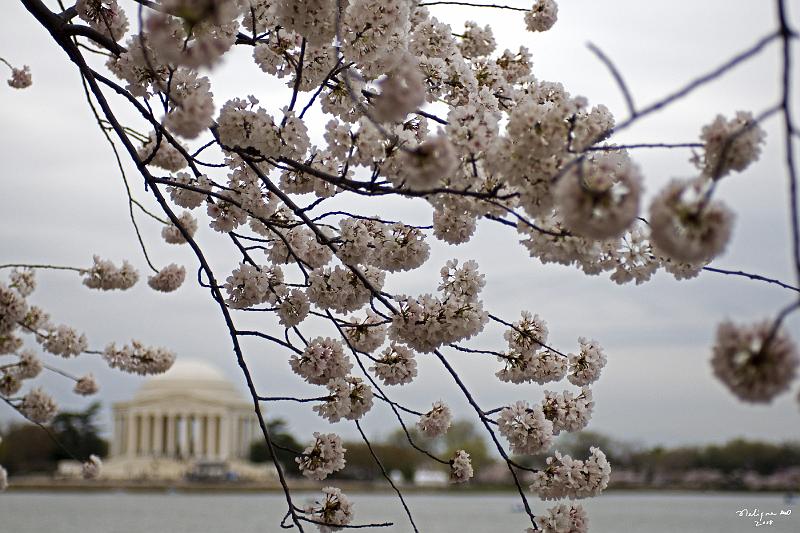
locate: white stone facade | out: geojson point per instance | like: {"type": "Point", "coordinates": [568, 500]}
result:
{"type": "Point", "coordinates": [189, 413]}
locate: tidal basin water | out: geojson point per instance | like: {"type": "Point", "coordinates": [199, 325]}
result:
{"type": "Point", "coordinates": [615, 512]}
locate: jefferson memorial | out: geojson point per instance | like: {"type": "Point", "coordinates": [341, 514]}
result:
{"type": "Point", "coordinates": [187, 417]}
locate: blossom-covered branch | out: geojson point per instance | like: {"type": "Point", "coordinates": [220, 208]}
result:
{"type": "Point", "coordinates": [414, 111]}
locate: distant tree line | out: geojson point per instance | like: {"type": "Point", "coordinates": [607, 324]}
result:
{"type": "Point", "coordinates": [27, 448]}
{"type": "Point", "coordinates": [396, 454]}
{"type": "Point", "coordinates": [734, 456]}
{"type": "Point", "coordinates": [394, 451]}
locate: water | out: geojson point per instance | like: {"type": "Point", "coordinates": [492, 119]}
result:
{"type": "Point", "coordinates": [615, 512]}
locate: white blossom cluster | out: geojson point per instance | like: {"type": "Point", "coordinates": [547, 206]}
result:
{"type": "Point", "coordinates": [349, 398]}
{"type": "Point", "coordinates": [632, 257]}
{"type": "Point", "coordinates": [437, 421]}
{"type": "Point", "coordinates": [399, 247]}
{"type": "Point", "coordinates": [402, 56]}
{"type": "Point", "coordinates": [188, 198]}
{"type": "Point", "coordinates": [527, 360]}
{"type": "Point", "coordinates": [390, 247]}
{"type": "Point", "coordinates": [136, 358]}
{"type": "Point", "coordinates": [158, 152]}
{"type": "Point", "coordinates": [542, 15]}
{"type": "Point", "coordinates": [9, 343]}
{"type": "Point", "coordinates": [426, 323]}
{"type": "Point", "coordinates": [17, 316]}
{"type": "Point", "coordinates": [567, 411]}
{"type": "Point", "coordinates": [686, 225]}
{"type": "Point", "coordinates": [366, 335]}
{"type": "Point", "coordinates": [476, 41]}
{"type": "Point", "coordinates": [106, 276]}
{"type": "Point", "coordinates": [29, 365]}
{"type": "Point", "coordinates": [396, 365]}
{"type": "Point", "coordinates": [586, 365]}
{"type": "Point", "coordinates": [527, 429]}
{"type": "Point", "coordinates": [23, 281]}
{"type": "Point", "coordinates": [460, 467]}
{"type": "Point", "coordinates": [537, 147]}
{"type": "Point", "coordinates": [105, 16]}
{"type": "Point", "coordinates": [599, 197]}
{"type": "Point", "coordinates": [730, 144]}
{"type": "Point", "coordinates": [293, 309]}
{"type": "Point", "coordinates": [172, 234]}
{"type": "Point", "coordinates": [62, 340]}
{"type": "Point", "coordinates": [314, 19]}
{"type": "Point", "coordinates": [91, 468]}
{"type": "Point", "coordinates": [428, 165]}
{"type": "Point", "coordinates": [340, 288]}
{"type": "Point", "coordinates": [565, 477]}
{"type": "Point", "coordinates": [540, 367]}
{"type": "Point", "coordinates": [86, 385]}
{"type": "Point", "coordinates": [225, 216]}
{"type": "Point", "coordinates": [198, 34]}
{"type": "Point", "coordinates": [527, 335]}
{"type": "Point", "coordinates": [589, 214]}
{"type": "Point", "coordinates": [375, 33]}
{"type": "Point", "coordinates": [21, 78]}
{"type": "Point", "coordinates": [250, 285]}
{"type": "Point", "coordinates": [10, 383]}
{"type": "Point", "coordinates": [141, 67]}
{"type": "Point", "coordinates": [335, 509]}
{"type": "Point", "coordinates": [192, 107]}
{"type": "Point", "coordinates": [756, 362]}
{"type": "Point", "coordinates": [13, 307]}
{"type": "Point", "coordinates": [301, 244]}
{"type": "Point", "coordinates": [321, 361]}
{"type": "Point", "coordinates": [563, 518]}
{"type": "Point", "coordinates": [402, 91]}
{"type": "Point", "coordinates": [241, 127]}
{"type": "Point", "coordinates": [168, 279]}
{"type": "Point", "coordinates": [322, 458]}
{"type": "Point", "coordinates": [38, 406]}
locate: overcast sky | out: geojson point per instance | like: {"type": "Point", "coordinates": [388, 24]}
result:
{"type": "Point", "coordinates": [62, 200]}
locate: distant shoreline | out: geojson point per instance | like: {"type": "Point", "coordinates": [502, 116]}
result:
{"type": "Point", "coordinates": [41, 484]}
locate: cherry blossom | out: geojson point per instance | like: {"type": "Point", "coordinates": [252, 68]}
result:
{"type": "Point", "coordinates": [322, 458]}
{"type": "Point", "coordinates": [756, 362]}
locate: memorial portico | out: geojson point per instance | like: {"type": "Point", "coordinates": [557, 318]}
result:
{"type": "Point", "coordinates": [190, 412]}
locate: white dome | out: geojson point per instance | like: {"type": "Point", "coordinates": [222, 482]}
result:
{"type": "Point", "coordinates": [192, 369]}
{"type": "Point", "coordinates": [191, 377]}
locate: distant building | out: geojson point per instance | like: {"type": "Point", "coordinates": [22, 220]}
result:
{"type": "Point", "coordinates": [189, 416]}
{"type": "Point", "coordinates": [191, 411]}
{"type": "Point", "coordinates": [430, 478]}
